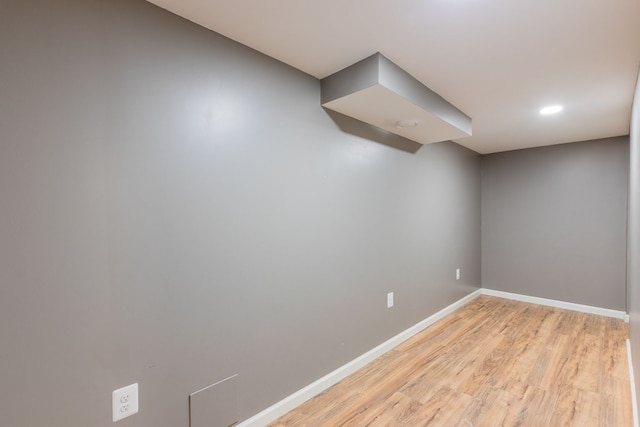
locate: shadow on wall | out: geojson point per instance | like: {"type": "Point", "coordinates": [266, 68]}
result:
{"type": "Point", "coordinates": [364, 130]}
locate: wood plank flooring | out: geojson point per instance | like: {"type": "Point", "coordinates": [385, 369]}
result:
{"type": "Point", "coordinates": [493, 362]}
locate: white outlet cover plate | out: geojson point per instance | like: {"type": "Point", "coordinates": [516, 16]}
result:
{"type": "Point", "coordinates": [390, 300]}
{"type": "Point", "coordinates": [124, 402]}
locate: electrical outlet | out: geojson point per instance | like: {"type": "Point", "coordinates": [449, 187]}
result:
{"type": "Point", "coordinates": [457, 274]}
{"type": "Point", "coordinates": [390, 300]}
{"type": "Point", "coordinates": [124, 402]}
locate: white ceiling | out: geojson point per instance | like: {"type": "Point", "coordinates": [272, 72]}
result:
{"type": "Point", "coordinates": [499, 61]}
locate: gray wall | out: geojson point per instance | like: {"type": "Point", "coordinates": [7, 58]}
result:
{"type": "Point", "coordinates": [633, 245]}
{"type": "Point", "coordinates": [554, 222]}
{"type": "Point", "coordinates": [177, 208]}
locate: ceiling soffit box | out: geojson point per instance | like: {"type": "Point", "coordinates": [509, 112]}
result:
{"type": "Point", "coordinates": [378, 92]}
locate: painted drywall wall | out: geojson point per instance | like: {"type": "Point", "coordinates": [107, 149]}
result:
{"type": "Point", "coordinates": [177, 208]}
{"type": "Point", "coordinates": [554, 222]}
{"type": "Point", "coordinates": [633, 241]}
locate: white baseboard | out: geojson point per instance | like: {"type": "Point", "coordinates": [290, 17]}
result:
{"type": "Point", "coordinates": [292, 401]}
{"type": "Point", "coordinates": [558, 304]}
{"type": "Point", "coordinates": [634, 401]}
{"type": "Point", "coordinates": [299, 397]}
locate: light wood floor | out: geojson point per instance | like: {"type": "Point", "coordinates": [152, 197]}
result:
{"type": "Point", "coordinates": [494, 362]}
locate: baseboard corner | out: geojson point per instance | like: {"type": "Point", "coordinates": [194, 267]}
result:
{"type": "Point", "coordinates": [617, 314]}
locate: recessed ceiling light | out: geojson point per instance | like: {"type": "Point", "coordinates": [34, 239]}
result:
{"type": "Point", "coordinates": [552, 109]}
{"type": "Point", "coordinates": [407, 123]}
